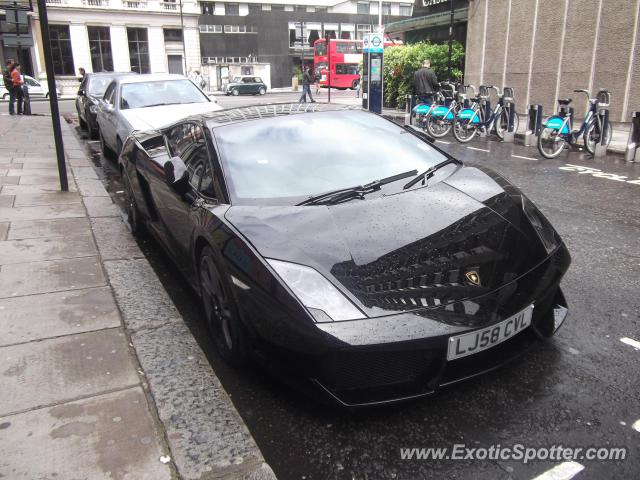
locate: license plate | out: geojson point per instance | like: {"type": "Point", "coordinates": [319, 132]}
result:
{"type": "Point", "coordinates": [479, 340]}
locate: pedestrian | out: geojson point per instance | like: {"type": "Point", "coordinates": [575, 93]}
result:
{"type": "Point", "coordinates": [359, 86]}
{"type": "Point", "coordinates": [316, 79]}
{"type": "Point", "coordinates": [425, 83]}
{"type": "Point", "coordinates": [307, 80]}
{"type": "Point", "coordinates": [83, 73]}
{"type": "Point", "coordinates": [8, 83]}
{"type": "Point", "coordinates": [197, 79]}
{"type": "Point", "coordinates": [16, 78]}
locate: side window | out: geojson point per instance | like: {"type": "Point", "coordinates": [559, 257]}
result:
{"type": "Point", "coordinates": [188, 142]}
{"type": "Point", "coordinates": [247, 80]}
{"type": "Point", "coordinates": [109, 94]}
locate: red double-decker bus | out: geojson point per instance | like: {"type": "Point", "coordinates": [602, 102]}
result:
{"type": "Point", "coordinates": [346, 56]}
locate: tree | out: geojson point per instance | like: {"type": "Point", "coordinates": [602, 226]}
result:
{"type": "Point", "coordinates": [401, 62]}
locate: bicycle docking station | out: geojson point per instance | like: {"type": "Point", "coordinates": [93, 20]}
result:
{"type": "Point", "coordinates": [534, 127]}
{"type": "Point", "coordinates": [601, 146]}
{"type": "Point", "coordinates": [632, 152]}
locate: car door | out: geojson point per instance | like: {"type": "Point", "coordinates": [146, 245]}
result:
{"type": "Point", "coordinates": [107, 117]}
{"type": "Point", "coordinates": [247, 85]}
{"type": "Point", "coordinates": [177, 209]}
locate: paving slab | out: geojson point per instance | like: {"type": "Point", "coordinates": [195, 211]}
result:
{"type": "Point", "coordinates": [44, 159]}
{"type": "Point", "coordinates": [4, 230]}
{"type": "Point", "coordinates": [53, 198]}
{"type": "Point", "coordinates": [44, 188]}
{"type": "Point", "coordinates": [9, 180]}
{"type": "Point", "coordinates": [107, 436]}
{"type": "Point", "coordinates": [206, 434]}
{"type": "Point", "coordinates": [38, 374]}
{"type": "Point", "coordinates": [41, 249]}
{"type": "Point", "coordinates": [34, 317]}
{"type": "Point", "coordinates": [6, 200]}
{"type": "Point", "coordinates": [101, 207]}
{"type": "Point", "coordinates": [51, 170]}
{"type": "Point", "coordinates": [52, 276]}
{"type": "Point", "coordinates": [79, 162]}
{"type": "Point", "coordinates": [141, 297]}
{"type": "Point", "coordinates": [90, 187]}
{"type": "Point", "coordinates": [84, 172]}
{"type": "Point", "coordinates": [59, 227]}
{"type": "Point", "coordinates": [41, 212]}
{"type": "Point", "coordinates": [39, 180]}
{"type": "Point", "coordinates": [114, 240]}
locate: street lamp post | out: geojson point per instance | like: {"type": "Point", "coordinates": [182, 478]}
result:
{"type": "Point", "coordinates": [53, 94]}
{"type": "Point", "coordinates": [450, 41]}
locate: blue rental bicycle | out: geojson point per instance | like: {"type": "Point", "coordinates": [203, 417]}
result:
{"type": "Point", "coordinates": [478, 117]}
{"type": "Point", "coordinates": [557, 131]}
{"type": "Point", "coordinates": [429, 103]}
{"type": "Point", "coordinates": [440, 119]}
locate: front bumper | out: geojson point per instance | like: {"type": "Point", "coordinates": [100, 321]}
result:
{"type": "Point", "coordinates": [400, 357]}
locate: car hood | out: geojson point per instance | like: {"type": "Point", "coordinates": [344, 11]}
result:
{"type": "Point", "coordinates": [422, 248]}
{"type": "Point", "coordinates": [150, 118]}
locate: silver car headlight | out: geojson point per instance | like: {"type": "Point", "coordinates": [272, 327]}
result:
{"type": "Point", "coordinates": [324, 301]}
{"type": "Point", "coordinates": [547, 234]}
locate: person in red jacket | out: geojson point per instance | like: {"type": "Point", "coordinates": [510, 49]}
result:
{"type": "Point", "coordinates": [16, 78]}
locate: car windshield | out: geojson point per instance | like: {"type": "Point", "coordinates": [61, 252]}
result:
{"type": "Point", "coordinates": [293, 157]}
{"type": "Point", "coordinates": [98, 85]}
{"type": "Point", "coordinates": [160, 92]}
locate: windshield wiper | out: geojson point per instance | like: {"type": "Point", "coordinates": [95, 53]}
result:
{"type": "Point", "coordinates": [337, 196]}
{"type": "Point", "coordinates": [429, 172]}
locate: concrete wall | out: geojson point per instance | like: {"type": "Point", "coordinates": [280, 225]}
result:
{"type": "Point", "coordinates": [546, 48]}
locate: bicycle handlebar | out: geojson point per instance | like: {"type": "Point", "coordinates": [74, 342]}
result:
{"type": "Point", "coordinates": [493, 87]}
{"type": "Point", "coordinates": [586, 92]}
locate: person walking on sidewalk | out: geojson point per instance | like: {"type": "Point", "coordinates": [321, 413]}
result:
{"type": "Point", "coordinates": [16, 78]}
{"type": "Point", "coordinates": [307, 81]}
{"type": "Point", "coordinates": [425, 83]}
{"type": "Point", "coordinates": [8, 83]}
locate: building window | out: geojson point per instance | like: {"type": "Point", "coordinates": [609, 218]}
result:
{"type": "Point", "coordinates": [172, 34]}
{"type": "Point", "coordinates": [321, 9]}
{"type": "Point", "coordinates": [277, 7]}
{"type": "Point", "coordinates": [405, 9]}
{"type": "Point", "coordinates": [255, 7]}
{"type": "Point", "coordinates": [362, 30]}
{"type": "Point", "coordinates": [347, 31]}
{"type": "Point", "coordinates": [138, 50]}
{"type": "Point", "coordinates": [363, 8]}
{"type": "Point", "coordinates": [386, 9]}
{"type": "Point", "coordinates": [100, 49]}
{"type": "Point", "coordinates": [232, 9]}
{"type": "Point", "coordinates": [210, 28]}
{"type": "Point", "coordinates": [246, 70]}
{"type": "Point", "coordinates": [207, 8]}
{"type": "Point", "coordinates": [61, 50]}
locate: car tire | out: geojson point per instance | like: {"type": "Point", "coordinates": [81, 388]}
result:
{"type": "Point", "coordinates": [221, 312]}
{"type": "Point", "coordinates": [134, 217]}
{"type": "Point", "coordinates": [262, 91]}
{"type": "Point", "coordinates": [106, 151]}
{"type": "Point", "coordinates": [235, 92]}
{"type": "Point", "coordinates": [118, 147]}
{"type": "Point", "coordinates": [354, 85]}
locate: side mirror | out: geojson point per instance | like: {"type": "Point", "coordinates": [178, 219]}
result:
{"type": "Point", "coordinates": [176, 174]}
{"type": "Point", "coordinates": [81, 93]}
{"type": "Point", "coordinates": [108, 107]}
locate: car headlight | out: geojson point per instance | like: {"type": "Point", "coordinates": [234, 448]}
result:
{"type": "Point", "coordinates": [324, 301]}
{"type": "Point", "coordinates": [548, 236]}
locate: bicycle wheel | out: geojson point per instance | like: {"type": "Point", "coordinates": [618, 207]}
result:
{"type": "Point", "coordinates": [592, 136]}
{"type": "Point", "coordinates": [437, 127]}
{"type": "Point", "coordinates": [550, 142]}
{"type": "Point", "coordinates": [464, 130]}
{"type": "Point", "coordinates": [503, 122]}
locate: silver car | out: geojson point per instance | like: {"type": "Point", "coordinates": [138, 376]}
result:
{"type": "Point", "coordinates": [146, 102]}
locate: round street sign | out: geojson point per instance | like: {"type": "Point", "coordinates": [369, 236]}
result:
{"type": "Point", "coordinates": [375, 41]}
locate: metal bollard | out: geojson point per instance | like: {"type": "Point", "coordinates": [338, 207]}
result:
{"type": "Point", "coordinates": [510, 134]}
{"type": "Point", "coordinates": [632, 152]}
{"type": "Point", "coordinates": [534, 127]}
{"type": "Point", "coordinates": [601, 146]}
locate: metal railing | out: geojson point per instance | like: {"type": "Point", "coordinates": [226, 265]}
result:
{"type": "Point", "coordinates": [134, 3]}
{"type": "Point", "coordinates": [96, 3]}
{"type": "Point", "coordinates": [169, 5]}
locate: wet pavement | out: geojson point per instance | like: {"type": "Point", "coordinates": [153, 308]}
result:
{"type": "Point", "coordinates": [581, 389]}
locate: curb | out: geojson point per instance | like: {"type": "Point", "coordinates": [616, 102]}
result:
{"type": "Point", "coordinates": [203, 430]}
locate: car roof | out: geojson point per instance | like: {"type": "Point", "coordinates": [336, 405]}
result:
{"type": "Point", "coordinates": [150, 77]}
{"type": "Point", "coordinates": [242, 114]}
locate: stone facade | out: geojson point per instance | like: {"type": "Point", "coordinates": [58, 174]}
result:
{"type": "Point", "coordinates": [545, 49]}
